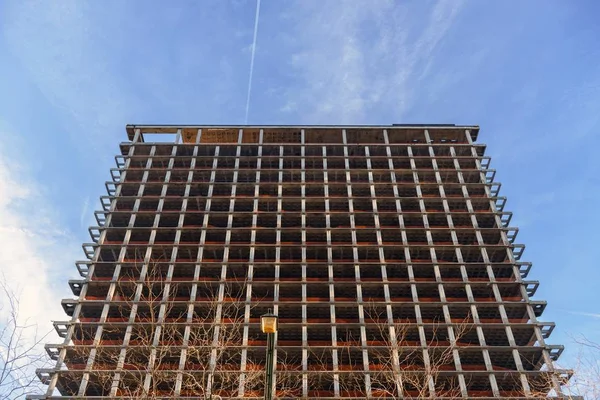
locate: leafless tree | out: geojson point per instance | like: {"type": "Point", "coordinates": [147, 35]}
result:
{"type": "Point", "coordinates": [399, 367]}
{"type": "Point", "coordinates": [169, 350]}
{"type": "Point", "coordinates": [587, 369]}
{"type": "Point", "coordinates": [21, 350]}
{"type": "Point", "coordinates": [580, 382]}
{"type": "Point", "coordinates": [553, 381]}
{"type": "Point", "coordinates": [173, 351]}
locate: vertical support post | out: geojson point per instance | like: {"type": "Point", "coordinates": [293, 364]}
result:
{"type": "Point", "coordinates": [269, 366]}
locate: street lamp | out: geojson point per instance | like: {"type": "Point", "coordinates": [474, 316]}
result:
{"type": "Point", "coordinates": [268, 324]}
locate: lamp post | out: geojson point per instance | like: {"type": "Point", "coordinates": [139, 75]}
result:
{"type": "Point", "coordinates": [268, 324]}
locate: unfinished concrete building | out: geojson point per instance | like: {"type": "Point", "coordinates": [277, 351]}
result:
{"type": "Point", "coordinates": [386, 252]}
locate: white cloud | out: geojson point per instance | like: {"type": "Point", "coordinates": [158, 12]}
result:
{"type": "Point", "coordinates": [289, 106]}
{"type": "Point", "coordinates": [36, 257]}
{"type": "Point", "coordinates": [67, 58]}
{"type": "Point", "coordinates": [107, 64]}
{"type": "Point", "coordinates": [36, 253]}
{"type": "Point", "coordinates": [356, 63]}
{"type": "Point", "coordinates": [585, 314]}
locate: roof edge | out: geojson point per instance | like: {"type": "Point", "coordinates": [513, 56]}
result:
{"type": "Point", "coordinates": [173, 127]}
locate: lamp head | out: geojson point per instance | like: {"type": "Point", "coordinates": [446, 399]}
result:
{"type": "Point", "coordinates": [268, 322]}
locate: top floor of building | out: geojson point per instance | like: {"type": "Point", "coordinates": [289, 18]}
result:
{"type": "Point", "coordinates": [304, 134]}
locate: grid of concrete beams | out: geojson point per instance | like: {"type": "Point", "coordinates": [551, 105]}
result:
{"type": "Point", "coordinates": [341, 231]}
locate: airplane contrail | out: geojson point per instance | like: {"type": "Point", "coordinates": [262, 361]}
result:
{"type": "Point", "coordinates": [252, 60]}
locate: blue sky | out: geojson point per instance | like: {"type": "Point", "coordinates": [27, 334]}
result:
{"type": "Point", "coordinates": [73, 74]}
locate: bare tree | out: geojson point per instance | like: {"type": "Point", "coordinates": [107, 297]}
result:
{"type": "Point", "coordinates": [20, 348]}
{"type": "Point", "coordinates": [580, 382]}
{"type": "Point", "coordinates": [554, 381]}
{"type": "Point", "coordinates": [138, 342]}
{"type": "Point", "coordinates": [166, 349]}
{"type": "Point", "coordinates": [214, 348]}
{"type": "Point", "coordinates": [586, 381]}
{"type": "Point", "coordinates": [399, 366]}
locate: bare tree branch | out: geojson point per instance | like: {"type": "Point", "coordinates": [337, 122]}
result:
{"type": "Point", "coordinates": [20, 348]}
{"type": "Point", "coordinates": [174, 351]}
{"type": "Point", "coordinates": [400, 366]}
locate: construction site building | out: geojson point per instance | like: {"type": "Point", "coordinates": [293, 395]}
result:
{"type": "Point", "coordinates": [385, 251]}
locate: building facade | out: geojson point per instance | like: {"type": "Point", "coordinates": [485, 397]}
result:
{"type": "Point", "coordinates": [385, 251]}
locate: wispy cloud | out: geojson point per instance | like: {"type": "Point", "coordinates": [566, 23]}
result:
{"type": "Point", "coordinates": [585, 314]}
{"type": "Point", "coordinates": [355, 64]}
{"type": "Point", "coordinates": [35, 251]}
{"type": "Point", "coordinates": [74, 75]}
{"type": "Point", "coordinates": [102, 71]}
{"type": "Point", "coordinates": [36, 257]}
